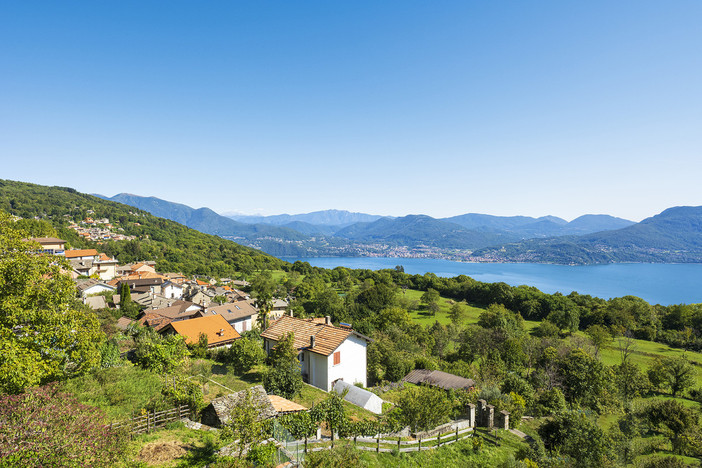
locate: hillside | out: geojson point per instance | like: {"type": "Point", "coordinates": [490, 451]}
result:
{"type": "Point", "coordinates": [334, 218]}
{"type": "Point", "coordinates": [414, 230]}
{"type": "Point", "coordinates": [675, 235]}
{"type": "Point", "coordinates": [173, 246]}
{"type": "Point", "coordinates": [545, 226]}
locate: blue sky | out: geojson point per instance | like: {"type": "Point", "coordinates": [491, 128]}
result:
{"type": "Point", "coordinates": [506, 108]}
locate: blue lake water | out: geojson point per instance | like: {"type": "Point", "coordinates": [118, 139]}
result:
{"type": "Point", "coordinates": [657, 283]}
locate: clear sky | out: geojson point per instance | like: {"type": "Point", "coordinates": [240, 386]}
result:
{"type": "Point", "coordinates": [391, 107]}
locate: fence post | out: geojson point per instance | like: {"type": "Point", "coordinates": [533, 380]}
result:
{"type": "Point", "coordinates": [354, 440]}
{"type": "Point", "coordinates": [438, 440]}
{"type": "Point", "coordinates": [377, 450]}
{"type": "Point", "coordinates": [419, 448]}
{"type": "Point", "coordinates": [305, 444]}
{"type": "Point", "coordinates": [398, 443]}
{"type": "Point", "coordinates": [456, 433]}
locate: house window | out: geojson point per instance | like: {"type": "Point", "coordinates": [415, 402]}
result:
{"type": "Point", "coordinates": [337, 358]}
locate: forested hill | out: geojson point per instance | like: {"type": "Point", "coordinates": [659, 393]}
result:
{"type": "Point", "coordinates": [414, 230]}
{"type": "Point", "coordinates": [675, 235]}
{"type": "Point", "coordinates": [173, 246]}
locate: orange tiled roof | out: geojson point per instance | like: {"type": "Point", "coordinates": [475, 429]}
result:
{"type": "Point", "coordinates": [81, 253]}
{"type": "Point", "coordinates": [214, 326]}
{"type": "Point", "coordinates": [326, 337]}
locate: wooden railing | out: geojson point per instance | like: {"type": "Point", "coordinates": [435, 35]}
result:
{"type": "Point", "coordinates": [152, 420]}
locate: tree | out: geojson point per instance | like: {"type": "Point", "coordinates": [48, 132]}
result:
{"type": "Point", "coordinates": [678, 374]}
{"type": "Point", "coordinates": [586, 380]}
{"type": "Point", "coordinates": [157, 353]}
{"type": "Point", "coordinates": [245, 353]}
{"type": "Point", "coordinates": [283, 378]}
{"type": "Point", "coordinates": [263, 288]}
{"type": "Point", "coordinates": [599, 335]}
{"type": "Point", "coordinates": [574, 435]}
{"type": "Point", "coordinates": [127, 306]}
{"type": "Point", "coordinates": [43, 427]}
{"type": "Point", "coordinates": [423, 408]}
{"type": "Point", "coordinates": [457, 312]}
{"type": "Point", "coordinates": [245, 425]}
{"type": "Point", "coordinates": [632, 383]}
{"type": "Point", "coordinates": [45, 334]}
{"type": "Point", "coordinates": [330, 410]}
{"type": "Point", "coordinates": [431, 300]}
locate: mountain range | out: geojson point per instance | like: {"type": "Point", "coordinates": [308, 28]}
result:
{"type": "Point", "coordinates": [675, 235]}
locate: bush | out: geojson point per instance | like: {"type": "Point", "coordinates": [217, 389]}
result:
{"type": "Point", "coordinates": [43, 427]}
{"type": "Point", "coordinates": [244, 354]}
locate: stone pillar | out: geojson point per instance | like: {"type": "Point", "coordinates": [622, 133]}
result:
{"type": "Point", "coordinates": [319, 433]}
{"type": "Point", "coordinates": [471, 415]}
{"type": "Point", "coordinates": [490, 416]}
{"type": "Point", "coordinates": [482, 413]}
{"type": "Point", "coordinates": [504, 423]}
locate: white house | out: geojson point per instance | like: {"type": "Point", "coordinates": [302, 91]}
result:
{"type": "Point", "coordinates": [327, 353]}
{"type": "Point", "coordinates": [172, 290]}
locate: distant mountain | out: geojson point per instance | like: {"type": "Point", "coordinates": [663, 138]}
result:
{"type": "Point", "coordinates": [313, 229]}
{"type": "Point", "coordinates": [204, 219]}
{"type": "Point", "coordinates": [337, 218]}
{"type": "Point", "coordinates": [675, 235]}
{"type": "Point", "coordinates": [545, 226]}
{"type": "Point", "coordinates": [415, 230]}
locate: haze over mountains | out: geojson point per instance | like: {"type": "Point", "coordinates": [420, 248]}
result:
{"type": "Point", "coordinates": [672, 236]}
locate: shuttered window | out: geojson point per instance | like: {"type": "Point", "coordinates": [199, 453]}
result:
{"type": "Point", "coordinates": [337, 357]}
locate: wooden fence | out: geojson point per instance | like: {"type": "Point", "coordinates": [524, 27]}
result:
{"type": "Point", "coordinates": [376, 444]}
{"type": "Point", "coordinates": [152, 420]}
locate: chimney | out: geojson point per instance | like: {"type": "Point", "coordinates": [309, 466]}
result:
{"type": "Point", "coordinates": [327, 320]}
{"type": "Point", "coordinates": [311, 341]}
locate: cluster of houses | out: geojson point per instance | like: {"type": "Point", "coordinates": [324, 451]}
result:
{"type": "Point", "coordinates": [98, 230]}
{"type": "Point", "coordinates": [173, 304]}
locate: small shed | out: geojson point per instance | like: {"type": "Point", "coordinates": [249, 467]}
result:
{"type": "Point", "coordinates": [360, 397]}
{"type": "Point", "coordinates": [219, 410]}
{"type": "Point", "coordinates": [439, 379]}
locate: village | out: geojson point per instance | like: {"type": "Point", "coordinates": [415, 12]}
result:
{"type": "Point", "coordinates": [217, 312]}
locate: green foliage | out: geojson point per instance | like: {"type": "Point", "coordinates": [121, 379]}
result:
{"type": "Point", "coordinates": [299, 424]}
{"type": "Point", "coordinates": [200, 349]}
{"type": "Point", "coordinates": [45, 335]}
{"type": "Point", "coordinates": [283, 378]}
{"type": "Point", "coordinates": [550, 402]}
{"type": "Point", "coordinates": [675, 421]}
{"type": "Point", "coordinates": [43, 427]}
{"type": "Point", "coordinates": [157, 353]}
{"type": "Point", "coordinates": [573, 435]}
{"type": "Point", "coordinates": [497, 317]}
{"type": "Point", "coordinates": [245, 424]}
{"type": "Point", "coordinates": [341, 456]}
{"type": "Point", "coordinates": [631, 382]}
{"type": "Point", "coordinates": [173, 246]}
{"type": "Point", "coordinates": [178, 390]}
{"type": "Point", "coordinates": [586, 380]}
{"type": "Point", "coordinates": [244, 354]}
{"type": "Point", "coordinates": [330, 410]}
{"type": "Point", "coordinates": [423, 408]}
{"type": "Point", "coordinates": [676, 374]}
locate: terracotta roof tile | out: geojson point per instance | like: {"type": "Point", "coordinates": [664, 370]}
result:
{"type": "Point", "coordinates": [217, 329]}
{"type": "Point", "coordinates": [326, 337]}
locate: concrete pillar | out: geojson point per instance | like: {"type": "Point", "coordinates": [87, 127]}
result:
{"type": "Point", "coordinates": [319, 433]}
{"type": "Point", "coordinates": [471, 415]}
{"type": "Point", "coordinates": [490, 416]}
{"type": "Point", "coordinates": [504, 423]}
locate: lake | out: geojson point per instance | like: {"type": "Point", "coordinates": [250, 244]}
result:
{"type": "Point", "coordinates": [657, 283]}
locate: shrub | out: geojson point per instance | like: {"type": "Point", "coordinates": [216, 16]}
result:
{"type": "Point", "coordinates": [43, 427]}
